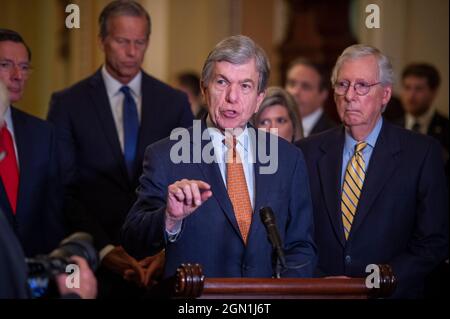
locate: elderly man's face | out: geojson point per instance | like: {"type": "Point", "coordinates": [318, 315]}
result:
{"type": "Point", "coordinates": [232, 94]}
{"type": "Point", "coordinates": [361, 112]}
{"type": "Point", "coordinates": [14, 68]}
{"type": "Point", "coordinates": [125, 46]}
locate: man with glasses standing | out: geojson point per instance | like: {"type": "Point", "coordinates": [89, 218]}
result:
{"type": "Point", "coordinates": [30, 192]}
{"type": "Point", "coordinates": [379, 191]}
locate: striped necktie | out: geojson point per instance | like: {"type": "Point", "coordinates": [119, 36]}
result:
{"type": "Point", "coordinates": [352, 186]}
{"type": "Point", "coordinates": [237, 189]}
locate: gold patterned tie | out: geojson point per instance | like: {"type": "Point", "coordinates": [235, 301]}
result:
{"type": "Point", "coordinates": [352, 186]}
{"type": "Point", "coordinates": [237, 189]}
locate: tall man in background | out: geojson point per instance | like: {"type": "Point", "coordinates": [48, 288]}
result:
{"type": "Point", "coordinates": [307, 83]}
{"type": "Point", "coordinates": [104, 124]}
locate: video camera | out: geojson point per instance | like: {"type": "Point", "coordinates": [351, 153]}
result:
{"type": "Point", "coordinates": [43, 269]}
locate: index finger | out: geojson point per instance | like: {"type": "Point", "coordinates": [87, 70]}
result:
{"type": "Point", "coordinates": [201, 184]}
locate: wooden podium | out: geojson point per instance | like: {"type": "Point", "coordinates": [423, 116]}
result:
{"type": "Point", "coordinates": [189, 282]}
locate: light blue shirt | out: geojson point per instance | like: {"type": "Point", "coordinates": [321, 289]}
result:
{"type": "Point", "coordinates": [349, 147]}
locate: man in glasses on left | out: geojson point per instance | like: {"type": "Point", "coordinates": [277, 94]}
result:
{"type": "Point", "coordinates": [30, 192]}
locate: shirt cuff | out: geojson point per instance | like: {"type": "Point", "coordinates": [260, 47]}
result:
{"type": "Point", "coordinates": [173, 235]}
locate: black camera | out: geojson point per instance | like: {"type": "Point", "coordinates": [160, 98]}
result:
{"type": "Point", "coordinates": [43, 269]}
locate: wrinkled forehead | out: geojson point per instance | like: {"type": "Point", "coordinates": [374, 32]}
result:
{"type": "Point", "coordinates": [245, 71]}
{"type": "Point", "coordinates": [359, 68]}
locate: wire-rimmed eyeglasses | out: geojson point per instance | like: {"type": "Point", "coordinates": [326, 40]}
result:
{"type": "Point", "coordinates": [361, 88]}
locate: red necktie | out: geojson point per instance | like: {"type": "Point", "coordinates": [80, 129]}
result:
{"type": "Point", "coordinates": [9, 170]}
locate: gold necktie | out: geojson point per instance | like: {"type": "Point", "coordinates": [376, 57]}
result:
{"type": "Point", "coordinates": [237, 189]}
{"type": "Point", "coordinates": [352, 186]}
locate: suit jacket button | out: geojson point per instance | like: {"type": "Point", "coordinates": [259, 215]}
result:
{"type": "Point", "coordinates": [348, 260]}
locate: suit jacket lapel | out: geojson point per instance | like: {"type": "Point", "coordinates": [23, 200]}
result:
{"type": "Point", "coordinates": [262, 181]}
{"type": "Point", "coordinates": [5, 206]}
{"type": "Point", "coordinates": [381, 167]}
{"type": "Point", "coordinates": [26, 153]}
{"type": "Point", "coordinates": [213, 176]}
{"type": "Point", "coordinates": [149, 99]}
{"type": "Point", "coordinates": [103, 109]}
{"type": "Point", "coordinates": [330, 172]}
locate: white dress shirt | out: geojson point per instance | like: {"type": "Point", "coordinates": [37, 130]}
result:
{"type": "Point", "coordinates": [10, 127]}
{"type": "Point", "coordinates": [116, 98]}
{"type": "Point", "coordinates": [424, 120]}
{"type": "Point", "coordinates": [310, 120]}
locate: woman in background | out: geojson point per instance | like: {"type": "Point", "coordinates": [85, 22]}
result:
{"type": "Point", "coordinates": [279, 110]}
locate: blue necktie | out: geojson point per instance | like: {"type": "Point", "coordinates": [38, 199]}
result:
{"type": "Point", "coordinates": [130, 129]}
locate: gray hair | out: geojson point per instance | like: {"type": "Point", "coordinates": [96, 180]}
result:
{"type": "Point", "coordinates": [122, 8]}
{"type": "Point", "coordinates": [238, 49]}
{"type": "Point", "coordinates": [385, 70]}
{"type": "Point", "coordinates": [278, 96]}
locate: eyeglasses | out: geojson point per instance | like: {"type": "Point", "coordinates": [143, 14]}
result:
{"type": "Point", "coordinates": [361, 88]}
{"type": "Point", "coordinates": [8, 66]}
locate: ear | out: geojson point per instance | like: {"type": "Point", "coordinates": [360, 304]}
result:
{"type": "Point", "coordinates": [203, 89]}
{"type": "Point", "coordinates": [259, 100]}
{"type": "Point", "coordinates": [101, 43]}
{"type": "Point", "coordinates": [387, 93]}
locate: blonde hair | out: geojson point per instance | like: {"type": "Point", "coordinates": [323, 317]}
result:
{"type": "Point", "coordinates": [278, 96]}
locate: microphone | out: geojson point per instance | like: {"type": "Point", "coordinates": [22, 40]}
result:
{"type": "Point", "coordinates": [268, 219]}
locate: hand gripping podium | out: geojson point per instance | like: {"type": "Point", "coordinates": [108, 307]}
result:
{"type": "Point", "coordinates": [189, 282]}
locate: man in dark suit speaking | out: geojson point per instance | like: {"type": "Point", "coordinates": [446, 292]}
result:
{"type": "Point", "coordinates": [379, 191]}
{"type": "Point", "coordinates": [201, 204]}
{"type": "Point", "coordinates": [104, 124]}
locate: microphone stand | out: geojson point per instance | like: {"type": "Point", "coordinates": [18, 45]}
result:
{"type": "Point", "coordinates": [278, 263]}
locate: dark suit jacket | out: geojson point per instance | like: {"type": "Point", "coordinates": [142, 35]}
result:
{"type": "Point", "coordinates": [438, 128]}
{"type": "Point", "coordinates": [13, 271]}
{"type": "Point", "coordinates": [210, 236]}
{"type": "Point", "coordinates": [99, 191]}
{"type": "Point", "coordinates": [401, 217]}
{"type": "Point", "coordinates": [38, 221]}
{"type": "Point", "coordinates": [324, 123]}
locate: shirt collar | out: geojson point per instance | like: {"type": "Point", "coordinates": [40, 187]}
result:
{"type": "Point", "coordinates": [371, 139]}
{"type": "Point", "coordinates": [113, 86]}
{"type": "Point", "coordinates": [310, 120]}
{"type": "Point", "coordinates": [8, 119]}
{"type": "Point", "coordinates": [217, 136]}
{"type": "Point", "coordinates": [424, 120]}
